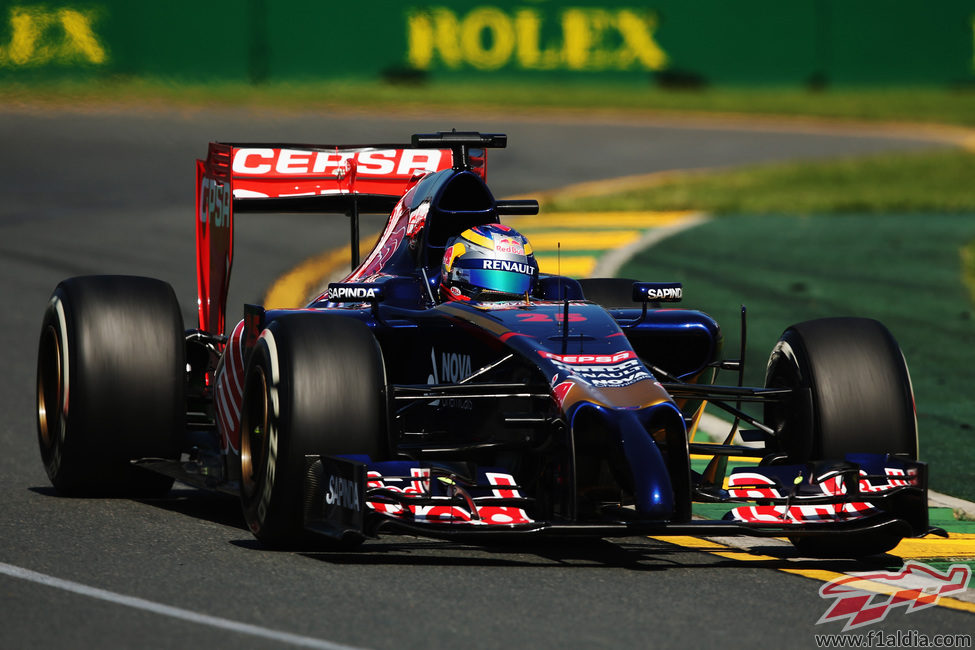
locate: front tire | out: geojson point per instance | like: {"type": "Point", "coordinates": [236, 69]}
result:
{"type": "Point", "coordinates": [315, 384]}
{"type": "Point", "coordinates": [854, 395]}
{"type": "Point", "coordinates": [859, 397]}
{"type": "Point", "coordinates": [110, 384]}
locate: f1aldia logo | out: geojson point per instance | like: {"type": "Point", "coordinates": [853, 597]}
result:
{"type": "Point", "coordinates": [866, 598]}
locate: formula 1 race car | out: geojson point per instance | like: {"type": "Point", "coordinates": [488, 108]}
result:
{"type": "Point", "coordinates": [446, 388]}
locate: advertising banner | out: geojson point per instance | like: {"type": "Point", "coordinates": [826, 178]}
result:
{"type": "Point", "coordinates": [670, 42]}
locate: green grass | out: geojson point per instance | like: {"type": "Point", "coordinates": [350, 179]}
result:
{"type": "Point", "coordinates": [902, 269]}
{"type": "Point", "coordinates": [935, 181]}
{"type": "Point", "coordinates": [968, 267]}
{"type": "Point", "coordinates": [932, 105]}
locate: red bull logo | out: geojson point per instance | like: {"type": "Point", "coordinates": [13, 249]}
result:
{"type": "Point", "coordinates": [508, 245]}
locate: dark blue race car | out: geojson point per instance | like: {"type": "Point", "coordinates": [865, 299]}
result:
{"type": "Point", "coordinates": [447, 388]}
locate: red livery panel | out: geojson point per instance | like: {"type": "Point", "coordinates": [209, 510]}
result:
{"type": "Point", "coordinates": [252, 173]}
{"type": "Point", "coordinates": [273, 173]}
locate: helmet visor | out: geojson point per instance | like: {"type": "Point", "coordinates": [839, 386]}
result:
{"type": "Point", "coordinates": [501, 281]}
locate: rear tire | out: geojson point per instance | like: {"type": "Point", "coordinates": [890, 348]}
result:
{"type": "Point", "coordinates": [110, 384]}
{"type": "Point", "coordinates": [315, 384]}
{"type": "Point", "coordinates": [859, 400]}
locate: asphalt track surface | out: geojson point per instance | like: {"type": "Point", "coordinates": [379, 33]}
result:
{"type": "Point", "coordinates": [96, 192]}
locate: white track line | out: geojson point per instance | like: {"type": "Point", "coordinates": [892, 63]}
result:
{"type": "Point", "coordinates": [173, 612]}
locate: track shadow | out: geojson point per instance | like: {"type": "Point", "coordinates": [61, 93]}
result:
{"type": "Point", "coordinates": [411, 551]}
{"type": "Point", "coordinates": [631, 553]}
{"type": "Point", "coordinates": [635, 553]}
{"type": "Point", "coordinates": [209, 506]}
{"type": "Point", "coordinates": [786, 556]}
{"type": "Point", "coordinates": [214, 507]}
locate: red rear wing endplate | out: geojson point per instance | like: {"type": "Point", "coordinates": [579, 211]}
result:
{"type": "Point", "coordinates": [344, 179]}
{"type": "Point", "coordinates": [214, 236]}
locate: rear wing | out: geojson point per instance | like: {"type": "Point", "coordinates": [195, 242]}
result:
{"type": "Point", "coordinates": [331, 179]}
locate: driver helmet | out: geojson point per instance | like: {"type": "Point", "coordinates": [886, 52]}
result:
{"type": "Point", "coordinates": [488, 262]}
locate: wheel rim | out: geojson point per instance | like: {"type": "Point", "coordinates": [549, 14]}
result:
{"type": "Point", "coordinates": [254, 424]}
{"type": "Point", "coordinates": [50, 384]}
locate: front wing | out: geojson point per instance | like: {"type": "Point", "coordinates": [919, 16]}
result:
{"type": "Point", "coordinates": [354, 497]}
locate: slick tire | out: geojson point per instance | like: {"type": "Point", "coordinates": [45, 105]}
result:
{"type": "Point", "coordinates": [856, 398]}
{"type": "Point", "coordinates": [609, 293]}
{"type": "Point", "coordinates": [315, 384]}
{"type": "Point", "coordinates": [110, 385]}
